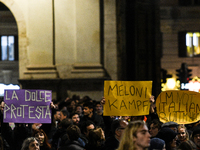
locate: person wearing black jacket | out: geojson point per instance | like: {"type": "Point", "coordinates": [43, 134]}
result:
{"type": "Point", "coordinates": [89, 114]}
{"type": "Point", "coordinates": [117, 129]}
{"type": "Point", "coordinates": [65, 123]}
{"type": "Point", "coordinates": [73, 133]}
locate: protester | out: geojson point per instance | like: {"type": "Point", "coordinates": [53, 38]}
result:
{"type": "Point", "coordinates": [75, 118]}
{"type": "Point", "coordinates": [135, 137]}
{"type": "Point", "coordinates": [43, 139]}
{"type": "Point", "coordinates": [79, 110]}
{"type": "Point", "coordinates": [195, 137]}
{"type": "Point", "coordinates": [88, 108]}
{"type": "Point", "coordinates": [99, 108]}
{"type": "Point", "coordinates": [157, 144]}
{"type": "Point", "coordinates": [169, 136]}
{"type": "Point", "coordinates": [183, 135]}
{"type": "Point", "coordinates": [96, 140]}
{"type": "Point", "coordinates": [93, 136]}
{"type": "Point", "coordinates": [172, 125]}
{"type": "Point", "coordinates": [55, 124]}
{"type": "Point", "coordinates": [72, 143]}
{"type": "Point", "coordinates": [56, 118]}
{"type": "Point", "coordinates": [31, 143]}
{"type": "Point", "coordinates": [86, 126]}
{"type": "Point", "coordinates": [63, 114]}
{"type": "Point", "coordinates": [155, 127]}
{"type": "Point", "coordinates": [72, 106]}
{"type": "Point", "coordinates": [6, 131]}
{"type": "Point", "coordinates": [57, 137]}
{"type": "Point", "coordinates": [117, 129]}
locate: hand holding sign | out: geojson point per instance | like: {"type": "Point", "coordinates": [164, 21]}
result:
{"type": "Point", "coordinates": [182, 107]}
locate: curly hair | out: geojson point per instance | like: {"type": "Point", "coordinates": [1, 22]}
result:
{"type": "Point", "coordinates": [187, 137]}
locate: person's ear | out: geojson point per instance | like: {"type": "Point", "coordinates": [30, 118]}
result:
{"type": "Point", "coordinates": [134, 139]}
{"type": "Point", "coordinates": [117, 132]}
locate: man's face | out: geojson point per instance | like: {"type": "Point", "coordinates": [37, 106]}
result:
{"type": "Point", "coordinates": [153, 130]}
{"type": "Point", "coordinates": [142, 139]}
{"type": "Point", "coordinates": [57, 115]}
{"type": "Point", "coordinates": [76, 119]}
{"type": "Point", "coordinates": [197, 139]}
{"type": "Point", "coordinates": [120, 130]}
{"type": "Point", "coordinates": [79, 110]}
{"type": "Point", "coordinates": [62, 116]}
{"type": "Point", "coordinates": [99, 108]}
{"type": "Point", "coordinates": [87, 111]}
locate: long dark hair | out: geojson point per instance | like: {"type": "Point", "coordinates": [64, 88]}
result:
{"type": "Point", "coordinates": [46, 143]}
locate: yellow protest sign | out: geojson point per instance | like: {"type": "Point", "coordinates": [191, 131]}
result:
{"type": "Point", "coordinates": [127, 98]}
{"type": "Point", "coordinates": [182, 107]}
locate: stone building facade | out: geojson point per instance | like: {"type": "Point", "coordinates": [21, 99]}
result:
{"type": "Point", "coordinates": [177, 18]}
{"type": "Point", "coordinates": [72, 46]}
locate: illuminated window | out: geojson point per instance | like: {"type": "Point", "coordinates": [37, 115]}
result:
{"type": "Point", "coordinates": [189, 44]}
{"type": "Point", "coordinates": [193, 43]}
{"type": "Point", "coordinates": [9, 49]}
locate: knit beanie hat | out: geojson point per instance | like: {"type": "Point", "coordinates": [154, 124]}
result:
{"type": "Point", "coordinates": [156, 143]}
{"type": "Point", "coordinates": [166, 134]}
{"type": "Point", "coordinates": [169, 124]}
{"type": "Point", "coordinates": [196, 131]}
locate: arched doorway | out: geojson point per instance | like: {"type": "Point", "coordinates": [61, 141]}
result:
{"type": "Point", "coordinates": [9, 64]}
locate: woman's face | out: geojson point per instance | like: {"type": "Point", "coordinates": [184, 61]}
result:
{"type": "Point", "coordinates": [40, 136]}
{"type": "Point", "coordinates": [182, 134]}
{"type": "Point", "coordinates": [34, 145]}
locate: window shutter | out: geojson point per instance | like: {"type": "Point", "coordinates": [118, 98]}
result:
{"type": "Point", "coordinates": [182, 50]}
{"type": "Point", "coordinates": [16, 48]}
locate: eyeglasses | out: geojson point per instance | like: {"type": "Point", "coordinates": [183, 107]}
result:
{"type": "Point", "coordinates": [121, 128]}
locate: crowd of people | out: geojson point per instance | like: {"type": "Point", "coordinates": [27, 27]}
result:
{"type": "Point", "coordinates": [79, 124]}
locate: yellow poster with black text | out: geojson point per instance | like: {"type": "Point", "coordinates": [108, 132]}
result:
{"type": "Point", "coordinates": [182, 107]}
{"type": "Point", "coordinates": [127, 98]}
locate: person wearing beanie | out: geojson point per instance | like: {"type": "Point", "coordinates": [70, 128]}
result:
{"type": "Point", "coordinates": [157, 143]}
{"type": "Point", "coordinates": [172, 125]}
{"type": "Point", "coordinates": [195, 137]}
{"type": "Point", "coordinates": [169, 136]}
